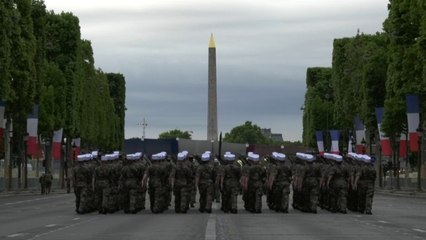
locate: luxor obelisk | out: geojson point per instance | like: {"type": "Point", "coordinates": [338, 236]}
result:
{"type": "Point", "coordinates": [212, 94]}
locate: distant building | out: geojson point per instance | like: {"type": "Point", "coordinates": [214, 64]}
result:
{"type": "Point", "coordinates": [277, 137]}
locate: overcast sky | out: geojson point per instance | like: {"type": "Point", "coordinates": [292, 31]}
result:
{"type": "Point", "coordinates": [263, 49]}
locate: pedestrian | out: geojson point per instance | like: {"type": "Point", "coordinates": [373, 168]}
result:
{"type": "Point", "coordinates": [42, 181]}
{"type": "Point", "coordinates": [48, 178]}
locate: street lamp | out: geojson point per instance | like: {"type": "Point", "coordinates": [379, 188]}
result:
{"type": "Point", "coordinates": [25, 162]}
{"type": "Point", "coordinates": [397, 140]}
{"type": "Point", "coordinates": [419, 160]}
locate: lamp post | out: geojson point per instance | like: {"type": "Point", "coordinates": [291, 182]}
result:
{"type": "Point", "coordinates": [47, 162]}
{"type": "Point", "coordinates": [419, 160]}
{"type": "Point", "coordinates": [212, 141]}
{"type": "Point", "coordinates": [25, 162]}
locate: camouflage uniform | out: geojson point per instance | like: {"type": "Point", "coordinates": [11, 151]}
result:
{"type": "Point", "coordinates": [311, 174]}
{"type": "Point", "coordinates": [280, 178]}
{"type": "Point", "coordinates": [339, 175]}
{"type": "Point", "coordinates": [168, 166]}
{"type": "Point", "coordinates": [48, 182]}
{"type": "Point", "coordinates": [83, 188]}
{"type": "Point", "coordinates": [229, 176]}
{"type": "Point", "coordinates": [131, 182]}
{"type": "Point", "coordinates": [156, 174]}
{"type": "Point", "coordinates": [256, 177]}
{"type": "Point", "coordinates": [205, 177]}
{"type": "Point", "coordinates": [102, 187]}
{"type": "Point", "coordinates": [367, 176]}
{"type": "Point", "coordinates": [182, 183]}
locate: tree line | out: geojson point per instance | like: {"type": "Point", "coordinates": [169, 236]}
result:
{"type": "Point", "coordinates": [368, 71]}
{"type": "Point", "coordinates": [45, 62]}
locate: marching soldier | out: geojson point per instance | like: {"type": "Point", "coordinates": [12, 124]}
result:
{"type": "Point", "coordinates": [102, 185]}
{"type": "Point", "coordinates": [309, 176]}
{"type": "Point", "coordinates": [364, 181]}
{"type": "Point", "coordinates": [131, 183]}
{"type": "Point", "coordinates": [181, 178]}
{"type": "Point", "coordinates": [338, 182]}
{"type": "Point", "coordinates": [204, 181]}
{"type": "Point", "coordinates": [229, 176]}
{"type": "Point", "coordinates": [83, 184]}
{"type": "Point", "coordinates": [155, 175]}
{"type": "Point", "coordinates": [279, 183]}
{"type": "Point", "coordinates": [253, 179]}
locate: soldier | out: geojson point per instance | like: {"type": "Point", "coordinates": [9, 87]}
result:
{"type": "Point", "coordinates": [131, 183]}
{"type": "Point", "coordinates": [48, 178]}
{"type": "Point", "coordinates": [229, 176]}
{"type": "Point", "coordinates": [169, 166]}
{"type": "Point", "coordinates": [338, 182]}
{"type": "Point", "coordinates": [102, 185]}
{"type": "Point", "coordinates": [181, 178]}
{"type": "Point", "coordinates": [309, 177]}
{"type": "Point", "coordinates": [155, 174]}
{"type": "Point", "coordinates": [253, 181]}
{"type": "Point", "coordinates": [364, 182]}
{"type": "Point", "coordinates": [204, 181]}
{"type": "Point", "coordinates": [83, 184]}
{"type": "Point", "coordinates": [279, 183]}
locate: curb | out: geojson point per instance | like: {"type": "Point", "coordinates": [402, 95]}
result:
{"type": "Point", "coordinates": [29, 192]}
{"type": "Point", "coordinates": [408, 194]}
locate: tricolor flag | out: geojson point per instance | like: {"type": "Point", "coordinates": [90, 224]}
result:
{"type": "Point", "coordinates": [75, 147]}
{"type": "Point", "coordinates": [57, 144]}
{"type": "Point", "coordinates": [2, 122]}
{"type": "Point", "coordinates": [32, 125]}
{"type": "Point", "coordinates": [384, 141]}
{"type": "Point", "coordinates": [320, 142]}
{"type": "Point", "coordinates": [413, 120]}
{"type": "Point", "coordinates": [359, 134]}
{"type": "Point", "coordinates": [334, 141]}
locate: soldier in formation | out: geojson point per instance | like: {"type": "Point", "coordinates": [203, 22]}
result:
{"type": "Point", "coordinates": [181, 177]}
{"type": "Point", "coordinates": [252, 182]}
{"type": "Point", "coordinates": [131, 177]}
{"type": "Point", "coordinates": [278, 183]}
{"type": "Point", "coordinates": [228, 181]}
{"type": "Point", "coordinates": [204, 181]}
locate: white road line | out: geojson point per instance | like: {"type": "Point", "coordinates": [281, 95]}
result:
{"type": "Point", "coordinates": [15, 235]}
{"type": "Point", "coordinates": [419, 230]}
{"type": "Point", "coordinates": [381, 221]}
{"type": "Point", "coordinates": [50, 225]}
{"type": "Point", "coordinates": [211, 225]}
{"type": "Point", "coordinates": [75, 219]}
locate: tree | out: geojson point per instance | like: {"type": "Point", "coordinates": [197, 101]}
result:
{"type": "Point", "coordinates": [176, 133]}
{"type": "Point", "coordinates": [246, 133]}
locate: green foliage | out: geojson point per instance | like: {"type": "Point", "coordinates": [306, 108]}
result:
{"type": "Point", "coordinates": [318, 107]}
{"type": "Point", "coordinates": [176, 133]}
{"type": "Point", "coordinates": [246, 133]}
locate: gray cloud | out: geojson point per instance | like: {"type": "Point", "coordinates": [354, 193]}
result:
{"type": "Point", "coordinates": [263, 50]}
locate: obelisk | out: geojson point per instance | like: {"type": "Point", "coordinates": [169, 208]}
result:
{"type": "Point", "coordinates": [212, 94]}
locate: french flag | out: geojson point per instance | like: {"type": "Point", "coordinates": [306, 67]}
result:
{"type": "Point", "coordinates": [384, 141]}
{"type": "Point", "coordinates": [76, 147]}
{"type": "Point", "coordinates": [359, 134]}
{"type": "Point", "coordinates": [57, 143]}
{"type": "Point", "coordinates": [413, 120]}
{"type": "Point", "coordinates": [32, 125]}
{"type": "Point", "coordinates": [320, 142]}
{"type": "Point", "coordinates": [2, 122]}
{"type": "Point", "coordinates": [335, 135]}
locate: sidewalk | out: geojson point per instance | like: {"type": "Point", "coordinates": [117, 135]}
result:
{"type": "Point", "coordinates": [401, 193]}
{"type": "Point", "coordinates": [29, 192]}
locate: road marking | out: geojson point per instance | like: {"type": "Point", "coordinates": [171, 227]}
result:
{"type": "Point", "coordinates": [50, 225]}
{"type": "Point", "coordinates": [75, 219]}
{"type": "Point", "coordinates": [381, 221]}
{"type": "Point", "coordinates": [15, 235]}
{"type": "Point", "coordinates": [419, 230]}
{"type": "Point", "coordinates": [211, 225]}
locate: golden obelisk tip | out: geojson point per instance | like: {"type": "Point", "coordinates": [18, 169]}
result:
{"type": "Point", "coordinates": [212, 44]}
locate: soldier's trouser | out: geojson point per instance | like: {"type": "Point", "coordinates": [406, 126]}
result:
{"type": "Point", "coordinates": [230, 195]}
{"type": "Point", "coordinates": [181, 198]}
{"type": "Point", "coordinates": [206, 195]}
{"type": "Point", "coordinates": [156, 198]}
{"type": "Point", "coordinates": [140, 198]}
{"type": "Point", "coordinates": [310, 195]}
{"type": "Point", "coordinates": [340, 189]}
{"type": "Point", "coordinates": [279, 197]}
{"type": "Point", "coordinates": [193, 193]}
{"type": "Point", "coordinates": [255, 192]}
{"type": "Point", "coordinates": [82, 200]}
{"type": "Point", "coordinates": [365, 195]}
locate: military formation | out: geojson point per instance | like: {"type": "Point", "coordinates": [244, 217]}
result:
{"type": "Point", "coordinates": [114, 182]}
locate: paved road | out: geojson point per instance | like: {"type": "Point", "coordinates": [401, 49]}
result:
{"type": "Point", "coordinates": [53, 217]}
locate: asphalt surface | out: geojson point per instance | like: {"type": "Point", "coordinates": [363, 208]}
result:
{"type": "Point", "coordinates": [31, 216]}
